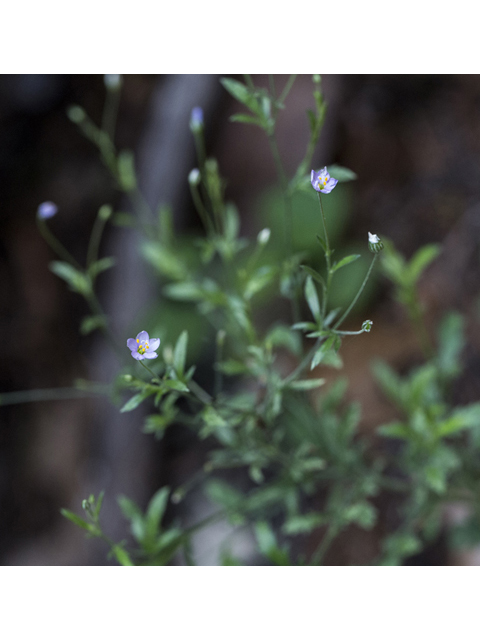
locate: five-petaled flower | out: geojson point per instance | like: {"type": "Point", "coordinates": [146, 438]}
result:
{"type": "Point", "coordinates": [143, 347]}
{"type": "Point", "coordinates": [322, 182]}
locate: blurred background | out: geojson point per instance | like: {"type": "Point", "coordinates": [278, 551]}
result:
{"type": "Point", "coordinates": [414, 143]}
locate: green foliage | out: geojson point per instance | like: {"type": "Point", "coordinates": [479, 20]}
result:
{"type": "Point", "coordinates": [306, 467]}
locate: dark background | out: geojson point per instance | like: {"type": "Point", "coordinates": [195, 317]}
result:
{"type": "Point", "coordinates": [414, 142]}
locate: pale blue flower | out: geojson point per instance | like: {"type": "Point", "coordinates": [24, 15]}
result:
{"type": "Point", "coordinates": [322, 182]}
{"type": "Point", "coordinates": [143, 347]}
{"type": "Point", "coordinates": [196, 119]}
{"type": "Point", "coordinates": [47, 210]}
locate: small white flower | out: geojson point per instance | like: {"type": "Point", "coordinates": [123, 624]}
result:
{"type": "Point", "coordinates": [374, 243]}
{"type": "Point", "coordinates": [194, 177]}
{"type": "Point", "coordinates": [264, 236]}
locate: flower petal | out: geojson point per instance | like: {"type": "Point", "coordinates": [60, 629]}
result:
{"type": "Point", "coordinates": [142, 336]}
{"type": "Point", "coordinates": [154, 343]}
{"type": "Point", "coordinates": [150, 355]}
{"type": "Point", "coordinates": [132, 344]}
{"type": "Point", "coordinates": [136, 355]}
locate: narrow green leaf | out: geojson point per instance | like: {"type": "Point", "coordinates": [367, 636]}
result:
{"type": "Point", "coordinates": [246, 119]}
{"type": "Point", "coordinates": [77, 520]}
{"type": "Point", "coordinates": [422, 258]}
{"type": "Point", "coordinates": [311, 297]}
{"type": "Point", "coordinates": [101, 265]}
{"type": "Point", "coordinates": [176, 385]}
{"type": "Point", "coordinates": [90, 323]}
{"type": "Point", "coordinates": [155, 510]}
{"type": "Point", "coordinates": [122, 556]}
{"type": "Point", "coordinates": [77, 281]}
{"type": "Point", "coordinates": [344, 262]}
{"type": "Point", "coordinates": [242, 93]}
{"type": "Point", "coordinates": [136, 400]}
{"type": "Point", "coordinates": [180, 353]}
{"type": "Point", "coordinates": [395, 430]}
{"type": "Point", "coordinates": [342, 174]}
{"type": "Point", "coordinates": [306, 385]}
{"type": "Point", "coordinates": [315, 275]}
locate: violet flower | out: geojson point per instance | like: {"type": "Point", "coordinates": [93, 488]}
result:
{"type": "Point", "coordinates": [143, 347]}
{"type": "Point", "coordinates": [196, 119]}
{"type": "Point", "coordinates": [322, 182]}
{"type": "Point", "coordinates": [47, 210]}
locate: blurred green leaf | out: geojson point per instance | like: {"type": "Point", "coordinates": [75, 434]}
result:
{"type": "Point", "coordinates": [311, 297]}
{"type": "Point", "coordinates": [344, 261]}
{"type": "Point", "coordinates": [421, 259]}
{"type": "Point", "coordinates": [76, 280]}
{"type": "Point", "coordinates": [180, 353]}
{"type": "Point", "coordinates": [342, 174]}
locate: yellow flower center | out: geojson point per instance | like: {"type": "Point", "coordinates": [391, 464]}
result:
{"type": "Point", "coordinates": [142, 347]}
{"type": "Point", "coordinates": [322, 186]}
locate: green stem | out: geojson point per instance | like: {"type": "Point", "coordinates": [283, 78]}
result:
{"type": "Point", "coordinates": [95, 238]}
{"type": "Point", "coordinates": [110, 111]}
{"type": "Point", "coordinates": [287, 88]}
{"type": "Point", "coordinates": [41, 395]}
{"type": "Point", "coordinates": [202, 212]}
{"type": "Point", "coordinates": [287, 198]}
{"type": "Point", "coordinates": [324, 545]}
{"type": "Point", "coordinates": [339, 322]}
{"type": "Point", "coordinates": [55, 244]}
{"type": "Point", "coordinates": [294, 375]}
{"type": "Point", "coordinates": [199, 393]}
{"type": "Point", "coordinates": [155, 377]}
{"type": "Point", "coordinates": [327, 259]}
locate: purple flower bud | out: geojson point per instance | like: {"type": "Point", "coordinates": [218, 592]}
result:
{"type": "Point", "coordinates": [47, 210]}
{"type": "Point", "coordinates": [143, 347]}
{"type": "Point", "coordinates": [322, 182]}
{"type": "Point", "coordinates": [196, 119]}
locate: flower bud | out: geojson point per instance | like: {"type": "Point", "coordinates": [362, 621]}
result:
{"type": "Point", "coordinates": [76, 114]}
{"type": "Point", "coordinates": [264, 236]}
{"type": "Point", "coordinates": [367, 326]}
{"type": "Point", "coordinates": [196, 120]}
{"type": "Point", "coordinates": [47, 210]}
{"type": "Point", "coordinates": [113, 81]}
{"type": "Point", "coordinates": [105, 212]}
{"type": "Point", "coordinates": [374, 243]}
{"type": "Point", "coordinates": [194, 177]}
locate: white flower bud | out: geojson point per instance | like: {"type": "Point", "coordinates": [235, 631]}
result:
{"type": "Point", "coordinates": [374, 243]}
{"type": "Point", "coordinates": [264, 236]}
{"type": "Point", "coordinates": [194, 177]}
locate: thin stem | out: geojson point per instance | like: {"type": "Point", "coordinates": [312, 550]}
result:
{"type": "Point", "coordinates": [348, 333]}
{"type": "Point", "coordinates": [202, 212]}
{"type": "Point", "coordinates": [95, 238]}
{"type": "Point", "coordinates": [422, 333]}
{"type": "Point", "coordinates": [287, 88]}
{"type": "Point", "coordinates": [41, 395]}
{"type": "Point", "coordinates": [327, 259]}
{"type": "Point", "coordinates": [155, 377]}
{"type": "Point", "coordinates": [282, 178]}
{"type": "Point", "coordinates": [55, 244]}
{"type": "Point", "coordinates": [110, 111]}
{"type": "Point", "coordinates": [199, 393]}
{"type": "Point", "coordinates": [294, 375]}
{"type": "Point", "coordinates": [324, 545]}
{"type": "Point", "coordinates": [339, 322]}
{"type": "Point", "coordinates": [248, 79]}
